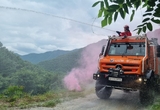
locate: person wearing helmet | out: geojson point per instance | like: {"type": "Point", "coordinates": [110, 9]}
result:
{"type": "Point", "coordinates": [126, 32]}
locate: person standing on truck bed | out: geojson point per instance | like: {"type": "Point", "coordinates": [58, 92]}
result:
{"type": "Point", "coordinates": [126, 32]}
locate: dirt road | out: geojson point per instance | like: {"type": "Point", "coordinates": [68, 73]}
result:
{"type": "Point", "coordinates": [119, 100]}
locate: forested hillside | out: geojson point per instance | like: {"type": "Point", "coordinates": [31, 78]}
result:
{"type": "Point", "coordinates": [63, 63]}
{"type": "Point", "coordinates": [36, 58]}
{"type": "Point", "coordinates": [16, 72]}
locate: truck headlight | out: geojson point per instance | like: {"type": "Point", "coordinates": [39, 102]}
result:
{"type": "Point", "coordinates": [139, 79]}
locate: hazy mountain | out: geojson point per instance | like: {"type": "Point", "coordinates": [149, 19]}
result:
{"type": "Point", "coordinates": [36, 58]}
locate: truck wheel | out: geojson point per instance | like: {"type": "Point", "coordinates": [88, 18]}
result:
{"type": "Point", "coordinates": [101, 91]}
{"type": "Point", "coordinates": [147, 94]}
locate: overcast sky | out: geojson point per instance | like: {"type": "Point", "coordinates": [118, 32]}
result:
{"type": "Point", "coordinates": [42, 25]}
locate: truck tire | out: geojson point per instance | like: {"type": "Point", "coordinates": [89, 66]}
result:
{"type": "Point", "coordinates": [147, 93]}
{"type": "Point", "coordinates": [102, 91]}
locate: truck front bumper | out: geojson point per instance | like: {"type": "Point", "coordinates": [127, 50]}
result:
{"type": "Point", "coordinates": [132, 82]}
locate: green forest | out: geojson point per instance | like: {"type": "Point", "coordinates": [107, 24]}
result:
{"type": "Point", "coordinates": [16, 72]}
{"type": "Point", "coordinates": [18, 77]}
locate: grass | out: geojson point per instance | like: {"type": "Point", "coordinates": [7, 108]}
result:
{"type": "Point", "coordinates": [156, 105]}
{"type": "Point", "coordinates": [49, 99]}
{"type": "Point", "coordinates": [51, 103]}
{"type": "Point", "coordinates": [52, 98]}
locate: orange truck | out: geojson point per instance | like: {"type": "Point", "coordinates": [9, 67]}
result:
{"type": "Point", "coordinates": [129, 64]}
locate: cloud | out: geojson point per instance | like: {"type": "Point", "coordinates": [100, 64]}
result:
{"type": "Point", "coordinates": [42, 30]}
{"type": "Point", "coordinates": [50, 28]}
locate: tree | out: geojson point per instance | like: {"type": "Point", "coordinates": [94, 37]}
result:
{"type": "Point", "coordinates": [110, 9]}
{"type": "Point", "coordinates": [26, 78]}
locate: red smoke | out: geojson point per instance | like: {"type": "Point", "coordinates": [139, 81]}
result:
{"type": "Point", "coordinates": [82, 75]}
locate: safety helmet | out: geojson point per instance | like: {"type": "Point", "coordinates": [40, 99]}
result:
{"type": "Point", "coordinates": [126, 26]}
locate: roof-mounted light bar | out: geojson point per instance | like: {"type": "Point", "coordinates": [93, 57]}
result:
{"type": "Point", "coordinates": [113, 37]}
{"type": "Point", "coordinates": [136, 37]}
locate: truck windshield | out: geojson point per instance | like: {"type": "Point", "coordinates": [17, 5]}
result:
{"type": "Point", "coordinates": [133, 49]}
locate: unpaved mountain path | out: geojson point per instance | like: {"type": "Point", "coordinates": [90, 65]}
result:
{"type": "Point", "coordinates": [119, 100]}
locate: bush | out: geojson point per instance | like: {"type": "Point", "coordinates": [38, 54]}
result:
{"type": "Point", "coordinates": [12, 93]}
{"type": "Point", "coordinates": [156, 107]}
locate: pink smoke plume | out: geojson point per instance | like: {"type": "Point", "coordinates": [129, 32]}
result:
{"type": "Point", "coordinates": [82, 75]}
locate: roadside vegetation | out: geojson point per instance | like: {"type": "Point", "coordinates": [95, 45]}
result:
{"type": "Point", "coordinates": [25, 85]}
{"type": "Point", "coordinates": [156, 105]}
{"type": "Point", "coordinates": [15, 97]}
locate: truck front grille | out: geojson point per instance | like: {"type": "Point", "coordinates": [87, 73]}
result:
{"type": "Point", "coordinates": [127, 68]}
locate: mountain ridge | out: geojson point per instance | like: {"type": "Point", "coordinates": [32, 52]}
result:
{"type": "Point", "coordinates": [39, 57]}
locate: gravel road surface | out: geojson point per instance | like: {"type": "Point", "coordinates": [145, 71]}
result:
{"type": "Point", "coordinates": [119, 100]}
